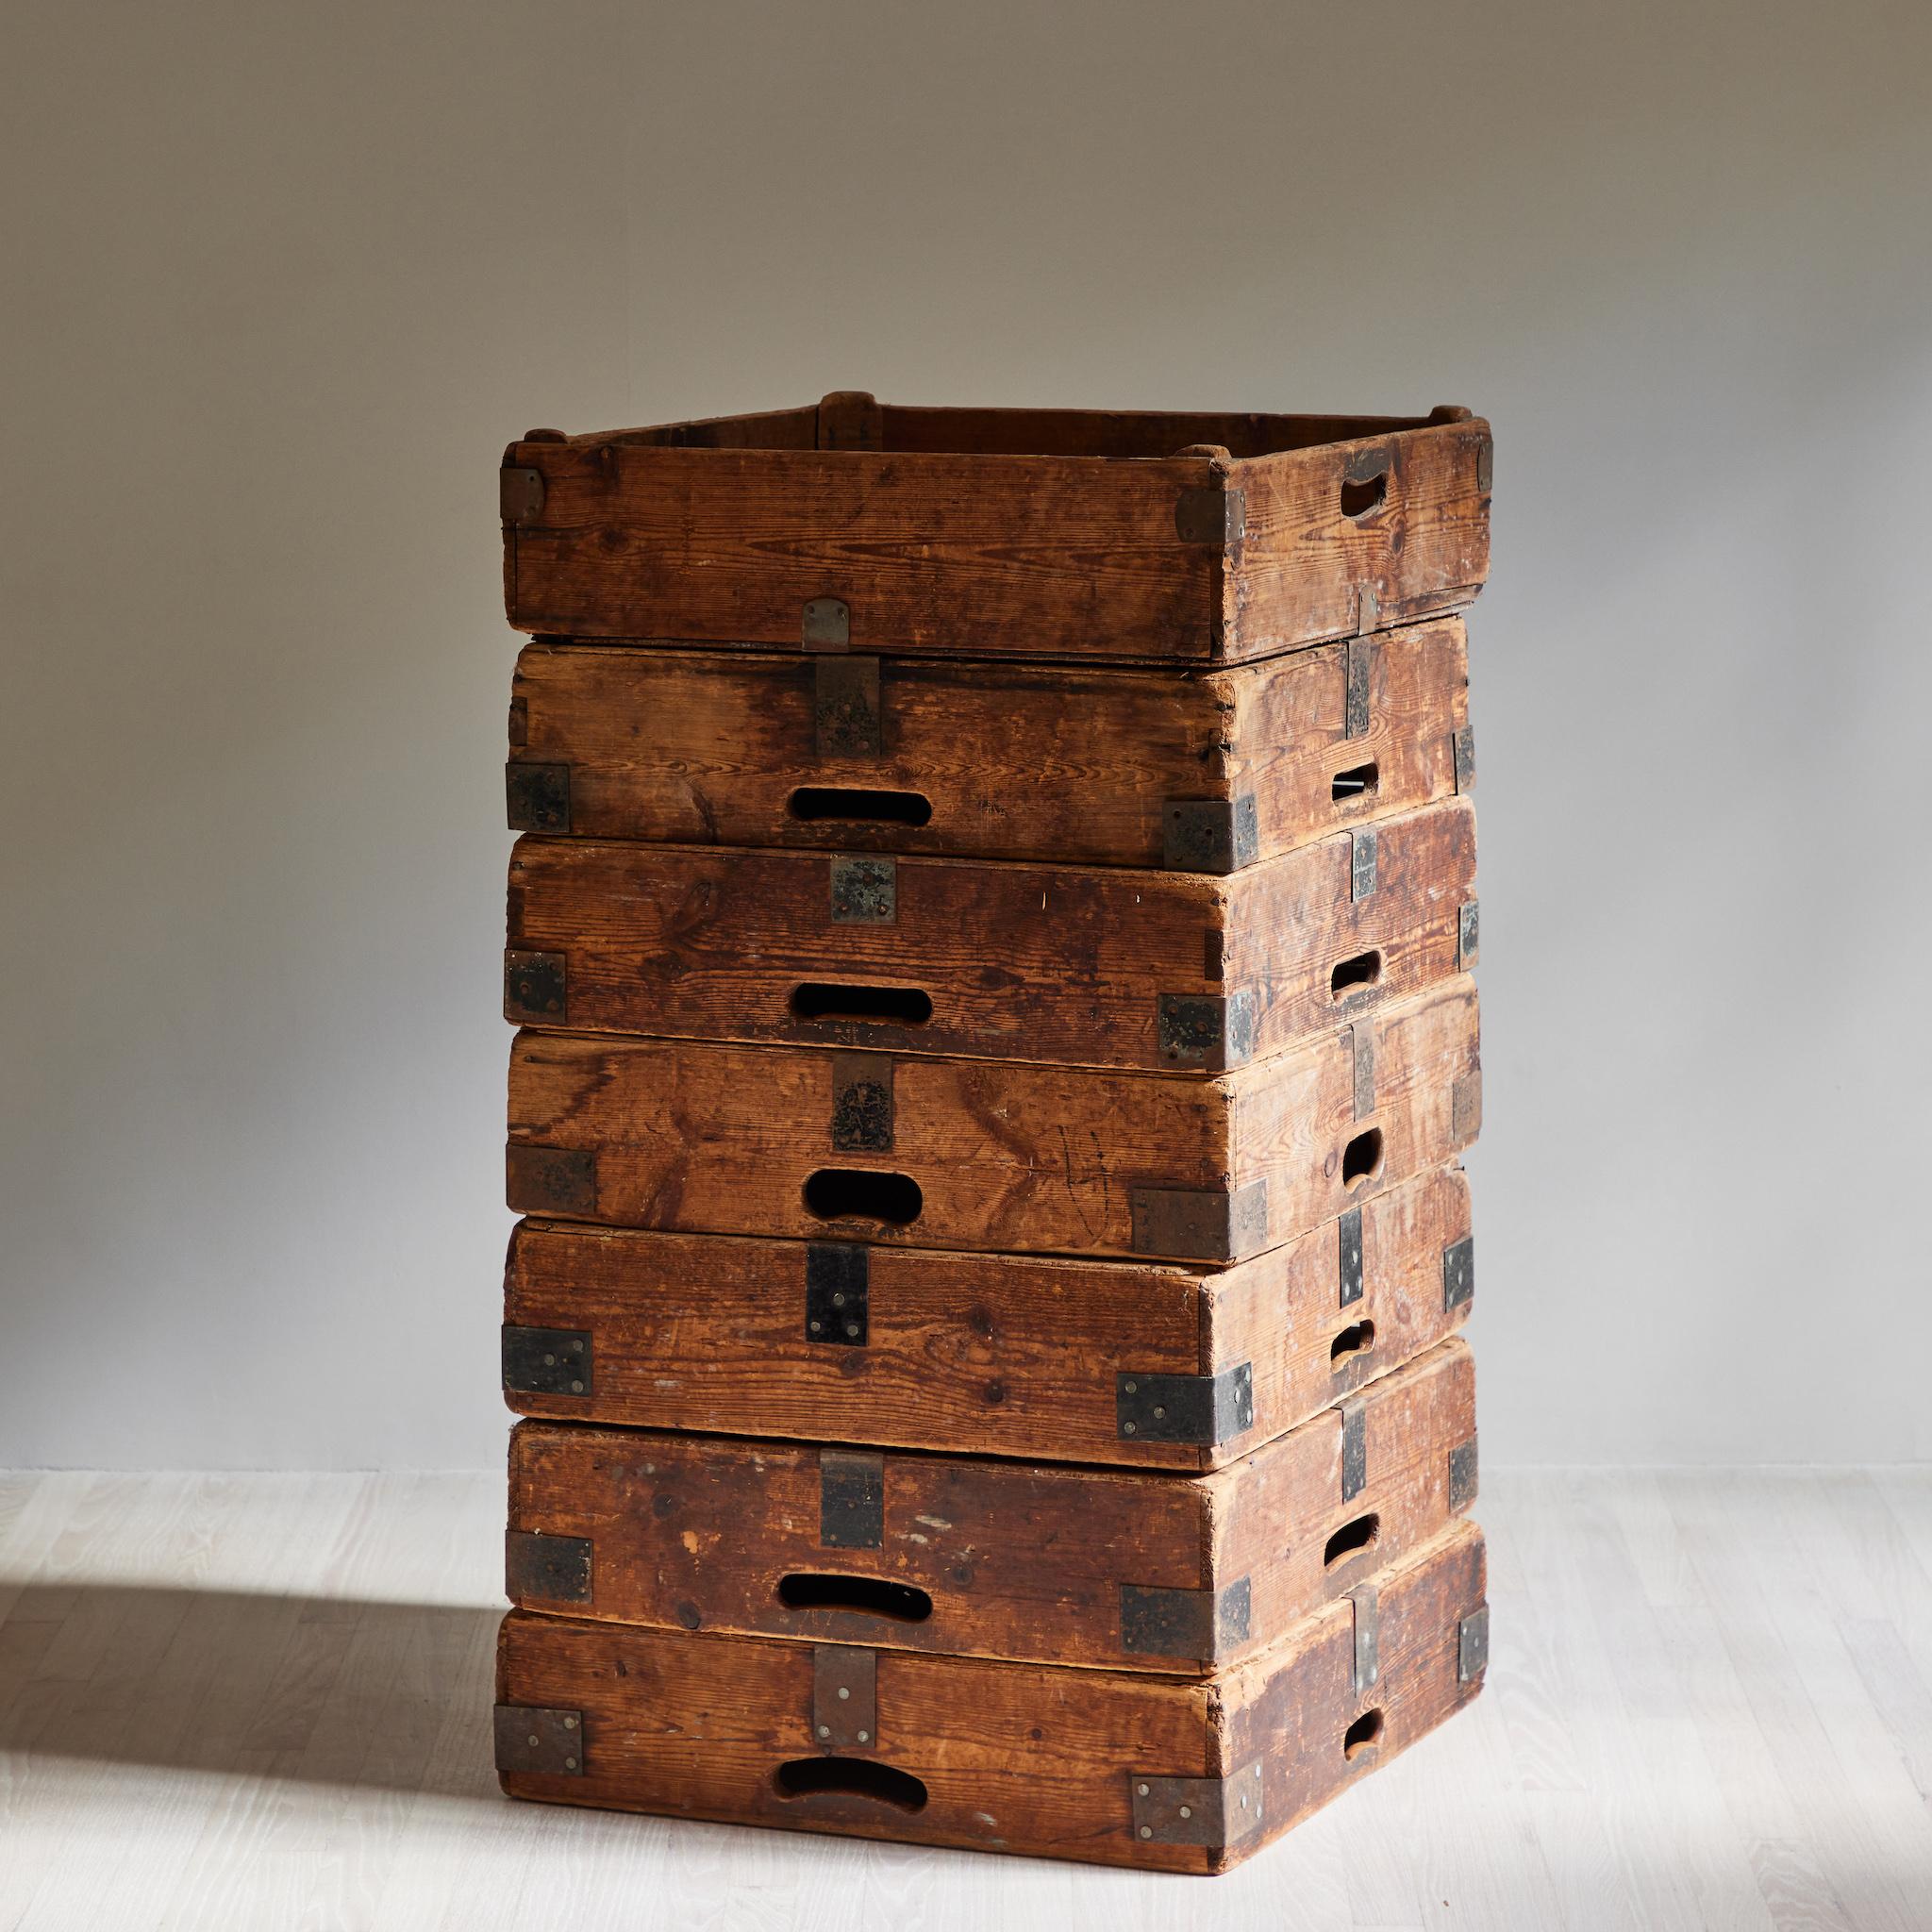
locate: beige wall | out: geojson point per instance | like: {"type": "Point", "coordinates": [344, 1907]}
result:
{"type": "Point", "coordinates": [282, 279]}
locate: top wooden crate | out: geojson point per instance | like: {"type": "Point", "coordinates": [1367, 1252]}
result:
{"type": "Point", "coordinates": [1017, 533]}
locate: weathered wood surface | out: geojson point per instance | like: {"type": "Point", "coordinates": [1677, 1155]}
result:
{"type": "Point", "coordinates": [1000, 1355]}
{"type": "Point", "coordinates": [1002, 1757]}
{"type": "Point", "coordinates": [1073, 966]}
{"type": "Point", "coordinates": [698, 1137]}
{"type": "Point", "coordinates": [1000, 549]}
{"type": "Point", "coordinates": [1048, 761]}
{"type": "Point", "coordinates": [982, 1557]}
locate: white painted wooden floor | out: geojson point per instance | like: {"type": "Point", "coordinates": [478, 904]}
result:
{"type": "Point", "coordinates": [254, 1702]}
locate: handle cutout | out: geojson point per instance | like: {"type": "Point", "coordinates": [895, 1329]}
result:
{"type": "Point", "coordinates": [1363, 1735]}
{"type": "Point", "coordinates": [871, 1596]}
{"type": "Point", "coordinates": [857, 1194]}
{"type": "Point", "coordinates": [1351, 975]}
{"type": "Point", "coordinates": [1351, 1540]}
{"type": "Point", "coordinates": [1361, 1159]}
{"type": "Point", "coordinates": [904, 1005]}
{"type": "Point", "coordinates": [1356, 1338]}
{"type": "Point", "coordinates": [1359, 500]}
{"type": "Point", "coordinates": [849, 1778]}
{"type": "Point", "coordinates": [1357, 782]}
{"type": "Point", "coordinates": [812, 803]}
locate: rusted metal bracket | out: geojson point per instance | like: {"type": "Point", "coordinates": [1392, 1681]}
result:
{"type": "Point", "coordinates": [535, 989]}
{"type": "Point", "coordinates": [1463, 1474]}
{"type": "Point", "coordinates": [1361, 1055]}
{"type": "Point", "coordinates": [1213, 1812]}
{"type": "Point", "coordinates": [1199, 1224]}
{"type": "Point", "coordinates": [826, 624]}
{"type": "Point", "coordinates": [864, 891]}
{"type": "Point", "coordinates": [1363, 849]}
{"type": "Point", "coordinates": [1202, 1626]}
{"type": "Point", "coordinates": [1204, 1410]}
{"type": "Point", "coordinates": [1473, 1645]}
{"type": "Point", "coordinates": [533, 1740]}
{"type": "Point", "coordinates": [861, 1103]}
{"type": "Point", "coordinates": [537, 797]}
{"type": "Point", "coordinates": [520, 495]}
{"type": "Point", "coordinates": [847, 719]}
{"type": "Point", "coordinates": [1465, 758]}
{"type": "Point", "coordinates": [1211, 515]}
{"type": "Point", "coordinates": [838, 1293]}
{"type": "Point", "coordinates": [852, 1499]}
{"type": "Point", "coordinates": [1350, 1257]}
{"type": "Point", "coordinates": [546, 1362]}
{"type": "Point", "coordinates": [1368, 1636]}
{"type": "Point", "coordinates": [1212, 1031]}
{"type": "Point", "coordinates": [551, 1180]}
{"type": "Point", "coordinates": [1468, 936]}
{"type": "Point", "coordinates": [1356, 707]}
{"type": "Point", "coordinates": [844, 1697]}
{"type": "Point", "coordinates": [550, 1568]}
{"type": "Point", "coordinates": [1215, 835]}
{"type": "Point", "coordinates": [1354, 1449]}
{"type": "Point", "coordinates": [1459, 1273]}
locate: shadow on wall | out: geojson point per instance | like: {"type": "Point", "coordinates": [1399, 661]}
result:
{"type": "Point", "coordinates": [323, 1690]}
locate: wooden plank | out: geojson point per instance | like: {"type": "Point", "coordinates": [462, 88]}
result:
{"type": "Point", "coordinates": [976, 1556]}
{"type": "Point", "coordinates": [697, 1137]}
{"type": "Point", "coordinates": [1046, 761]}
{"type": "Point", "coordinates": [999, 1354]}
{"type": "Point", "coordinates": [1100, 967]}
{"type": "Point", "coordinates": [1017, 1757]}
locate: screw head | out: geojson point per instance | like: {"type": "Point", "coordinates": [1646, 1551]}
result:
{"type": "Point", "coordinates": [844, 1693]}
{"type": "Point", "coordinates": [533, 1741]}
{"type": "Point", "coordinates": [851, 1329]}
{"type": "Point", "coordinates": [549, 1361]}
{"type": "Point", "coordinates": [569, 1724]}
{"type": "Point", "coordinates": [1159, 1411]}
{"type": "Point", "coordinates": [1146, 1831]}
{"type": "Point", "coordinates": [1142, 1789]}
{"type": "Point", "coordinates": [1126, 1428]}
{"type": "Point", "coordinates": [577, 1388]}
{"type": "Point", "coordinates": [865, 1737]}
{"type": "Point", "coordinates": [1187, 1810]}
{"type": "Point", "coordinates": [1131, 1387]}
{"type": "Point", "coordinates": [570, 1764]}
{"type": "Point", "coordinates": [824, 1730]}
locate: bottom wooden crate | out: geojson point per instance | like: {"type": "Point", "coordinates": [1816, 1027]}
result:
{"type": "Point", "coordinates": [1088, 1764]}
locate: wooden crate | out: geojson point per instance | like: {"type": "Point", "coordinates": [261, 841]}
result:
{"type": "Point", "coordinates": [1198, 771]}
{"type": "Point", "coordinates": [985, 1556]}
{"type": "Point", "coordinates": [693, 1135]}
{"type": "Point", "coordinates": [999, 1354]}
{"type": "Point", "coordinates": [1108, 1766]}
{"type": "Point", "coordinates": [1036, 533]}
{"type": "Point", "coordinates": [1075, 966]}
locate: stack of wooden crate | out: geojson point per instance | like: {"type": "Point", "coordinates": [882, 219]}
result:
{"type": "Point", "coordinates": [990, 947]}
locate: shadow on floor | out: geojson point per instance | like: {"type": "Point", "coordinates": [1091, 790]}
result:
{"type": "Point", "coordinates": [319, 1689]}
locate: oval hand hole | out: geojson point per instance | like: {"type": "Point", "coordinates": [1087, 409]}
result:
{"type": "Point", "coordinates": [1358, 1339]}
{"type": "Point", "coordinates": [854, 1194]}
{"type": "Point", "coordinates": [813, 802]}
{"type": "Point", "coordinates": [1351, 1540]}
{"type": "Point", "coordinates": [1359, 500]}
{"type": "Point", "coordinates": [1351, 975]}
{"type": "Point", "coordinates": [821, 1000]}
{"type": "Point", "coordinates": [871, 1596]}
{"type": "Point", "coordinates": [849, 1778]}
{"type": "Point", "coordinates": [1363, 1735]}
{"type": "Point", "coordinates": [1361, 1159]}
{"type": "Point", "coordinates": [1357, 782]}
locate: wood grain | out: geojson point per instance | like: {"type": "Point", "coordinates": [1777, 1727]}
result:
{"type": "Point", "coordinates": [1075, 966]}
{"type": "Point", "coordinates": [697, 1137]}
{"type": "Point", "coordinates": [1036, 537]}
{"type": "Point", "coordinates": [1008, 1559]}
{"type": "Point", "coordinates": [999, 1354]}
{"type": "Point", "coordinates": [1017, 1757]}
{"type": "Point", "coordinates": [1040, 762]}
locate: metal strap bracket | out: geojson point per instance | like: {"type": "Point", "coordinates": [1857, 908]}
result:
{"type": "Point", "coordinates": [1213, 1812]}
{"type": "Point", "coordinates": [844, 1697]}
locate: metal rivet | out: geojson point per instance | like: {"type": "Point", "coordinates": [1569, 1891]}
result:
{"type": "Point", "coordinates": [865, 1737]}
{"type": "Point", "coordinates": [838, 1301]}
{"type": "Point", "coordinates": [1244, 1799]}
{"type": "Point", "coordinates": [1126, 1428]}
{"type": "Point", "coordinates": [570, 1764]}
{"type": "Point", "coordinates": [1258, 1771]}
{"type": "Point", "coordinates": [577, 1388]}
{"type": "Point", "coordinates": [1187, 1810]}
{"type": "Point", "coordinates": [1159, 1411]}
{"type": "Point", "coordinates": [1132, 1387]}
{"type": "Point", "coordinates": [851, 1329]}
{"type": "Point", "coordinates": [816, 1326]}
{"type": "Point", "coordinates": [824, 1731]}
{"type": "Point", "coordinates": [549, 1361]}
{"type": "Point", "coordinates": [577, 1348]}
{"type": "Point", "coordinates": [1142, 1789]}
{"type": "Point", "coordinates": [1146, 1831]}
{"type": "Point", "coordinates": [569, 1724]}
{"type": "Point", "coordinates": [844, 1693]}
{"type": "Point", "coordinates": [533, 1741]}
